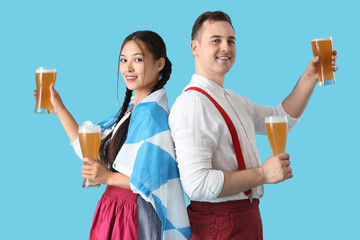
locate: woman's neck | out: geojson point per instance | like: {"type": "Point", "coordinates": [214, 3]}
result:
{"type": "Point", "coordinates": [140, 95]}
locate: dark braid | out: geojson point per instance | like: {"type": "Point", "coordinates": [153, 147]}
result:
{"type": "Point", "coordinates": [155, 44]}
{"type": "Point", "coordinates": [106, 155]}
{"type": "Point", "coordinates": [125, 105]}
{"type": "Point", "coordinates": [165, 75]}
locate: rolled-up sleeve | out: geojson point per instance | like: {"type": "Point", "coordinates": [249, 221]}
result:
{"type": "Point", "coordinates": [196, 135]}
{"type": "Point", "coordinates": [259, 113]}
{"type": "Point", "coordinates": [291, 121]}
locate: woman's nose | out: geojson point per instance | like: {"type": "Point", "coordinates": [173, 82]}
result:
{"type": "Point", "coordinates": [130, 67]}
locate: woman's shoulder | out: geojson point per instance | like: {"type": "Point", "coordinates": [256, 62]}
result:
{"type": "Point", "coordinates": [154, 101]}
{"type": "Point", "coordinates": [150, 114]}
{"type": "Point", "coordinates": [147, 120]}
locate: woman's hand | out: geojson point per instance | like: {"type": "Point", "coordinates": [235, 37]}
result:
{"type": "Point", "coordinates": [95, 171]}
{"type": "Point", "coordinates": [55, 99]}
{"type": "Point", "coordinates": [70, 125]}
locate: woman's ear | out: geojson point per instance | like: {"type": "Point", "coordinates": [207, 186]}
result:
{"type": "Point", "coordinates": [161, 64]}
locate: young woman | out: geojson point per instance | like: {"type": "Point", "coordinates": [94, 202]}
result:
{"type": "Point", "coordinates": [144, 198]}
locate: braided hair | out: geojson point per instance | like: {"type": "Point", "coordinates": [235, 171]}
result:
{"type": "Point", "coordinates": [155, 44]}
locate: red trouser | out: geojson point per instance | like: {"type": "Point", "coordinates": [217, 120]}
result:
{"type": "Point", "coordinates": [226, 220]}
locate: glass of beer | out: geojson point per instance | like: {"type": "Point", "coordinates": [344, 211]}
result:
{"type": "Point", "coordinates": [323, 48]}
{"type": "Point", "coordinates": [44, 77]}
{"type": "Point", "coordinates": [90, 137]}
{"type": "Point", "coordinates": [276, 130]}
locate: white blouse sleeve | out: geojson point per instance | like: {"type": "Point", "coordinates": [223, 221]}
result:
{"type": "Point", "coordinates": [196, 136]}
{"type": "Point", "coordinates": [76, 142]}
{"type": "Point", "coordinates": [77, 148]}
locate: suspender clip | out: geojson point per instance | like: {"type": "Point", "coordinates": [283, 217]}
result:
{"type": "Point", "coordinates": [251, 200]}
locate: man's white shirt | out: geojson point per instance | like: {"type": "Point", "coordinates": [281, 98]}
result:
{"type": "Point", "coordinates": [203, 142]}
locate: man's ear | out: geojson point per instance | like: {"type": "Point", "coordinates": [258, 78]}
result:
{"type": "Point", "coordinates": [194, 47]}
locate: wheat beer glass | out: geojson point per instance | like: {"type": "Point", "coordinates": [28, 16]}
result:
{"type": "Point", "coordinates": [90, 137]}
{"type": "Point", "coordinates": [276, 130]}
{"type": "Point", "coordinates": [44, 77]}
{"type": "Point", "coordinates": [323, 48]}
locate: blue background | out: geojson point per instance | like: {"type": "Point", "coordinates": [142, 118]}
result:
{"type": "Point", "coordinates": [41, 194]}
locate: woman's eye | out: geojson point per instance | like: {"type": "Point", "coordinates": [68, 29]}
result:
{"type": "Point", "coordinates": [122, 60]}
{"type": "Point", "coordinates": [138, 60]}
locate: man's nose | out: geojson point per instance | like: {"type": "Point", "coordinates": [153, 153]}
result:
{"type": "Point", "coordinates": [225, 47]}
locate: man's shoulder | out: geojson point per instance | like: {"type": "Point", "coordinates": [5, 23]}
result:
{"type": "Point", "coordinates": [189, 100]}
{"type": "Point", "coordinates": [237, 96]}
{"type": "Point", "coordinates": [233, 93]}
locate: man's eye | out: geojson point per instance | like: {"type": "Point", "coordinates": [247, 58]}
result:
{"type": "Point", "coordinates": [215, 41]}
{"type": "Point", "coordinates": [231, 42]}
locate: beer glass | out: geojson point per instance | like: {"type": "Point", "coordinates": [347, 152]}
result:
{"type": "Point", "coordinates": [323, 48]}
{"type": "Point", "coordinates": [276, 130]}
{"type": "Point", "coordinates": [44, 77]}
{"type": "Point", "coordinates": [90, 137]}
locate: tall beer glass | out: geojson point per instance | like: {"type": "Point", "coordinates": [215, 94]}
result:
{"type": "Point", "coordinates": [323, 48]}
{"type": "Point", "coordinates": [276, 130]}
{"type": "Point", "coordinates": [90, 137]}
{"type": "Point", "coordinates": [44, 77]}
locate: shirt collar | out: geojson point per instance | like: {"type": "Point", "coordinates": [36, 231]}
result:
{"type": "Point", "coordinates": [206, 84]}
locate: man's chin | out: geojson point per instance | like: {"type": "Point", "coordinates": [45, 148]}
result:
{"type": "Point", "coordinates": [223, 71]}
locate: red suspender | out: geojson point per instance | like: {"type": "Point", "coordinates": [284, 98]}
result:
{"type": "Point", "coordinates": [234, 136]}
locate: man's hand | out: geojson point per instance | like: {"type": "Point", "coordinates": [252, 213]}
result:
{"type": "Point", "coordinates": [311, 71]}
{"type": "Point", "coordinates": [276, 169]}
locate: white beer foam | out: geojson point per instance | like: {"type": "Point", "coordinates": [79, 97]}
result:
{"type": "Point", "coordinates": [276, 119]}
{"type": "Point", "coordinates": [88, 127]}
{"type": "Point", "coordinates": [322, 39]}
{"type": "Point", "coordinates": [45, 70]}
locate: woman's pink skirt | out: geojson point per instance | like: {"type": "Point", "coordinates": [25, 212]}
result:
{"type": "Point", "coordinates": [115, 215]}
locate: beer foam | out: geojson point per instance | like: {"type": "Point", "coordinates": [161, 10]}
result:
{"type": "Point", "coordinates": [275, 119]}
{"type": "Point", "coordinates": [88, 127]}
{"type": "Point", "coordinates": [45, 70]}
{"type": "Point", "coordinates": [322, 39]}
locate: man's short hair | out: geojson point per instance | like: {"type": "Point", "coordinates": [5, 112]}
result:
{"type": "Point", "coordinates": [211, 16]}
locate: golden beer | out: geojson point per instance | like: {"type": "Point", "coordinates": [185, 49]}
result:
{"type": "Point", "coordinates": [89, 138]}
{"type": "Point", "coordinates": [44, 77]}
{"type": "Point", "coordinates": [276, 130]}
{"type": "Point", "coordinates": [323, 48]}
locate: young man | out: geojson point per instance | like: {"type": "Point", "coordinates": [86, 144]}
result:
{"type": "Point", "coordinates": [208, 165]}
